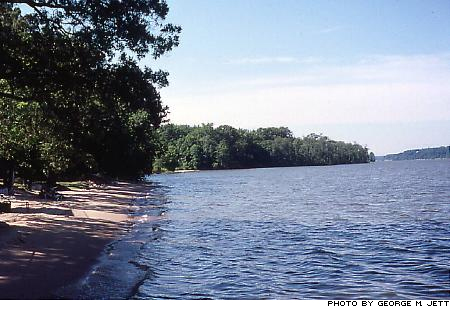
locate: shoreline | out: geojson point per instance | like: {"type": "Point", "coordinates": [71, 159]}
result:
{"type": "Point", "coordinates": [183, 171]}
{"type": "Point", "coordinates": [50, 245]}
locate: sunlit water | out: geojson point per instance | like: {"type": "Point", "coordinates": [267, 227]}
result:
{"type": "Point", "coordinates": [376, 231]}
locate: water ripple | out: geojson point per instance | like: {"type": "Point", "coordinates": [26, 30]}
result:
{"type": "Point", "coordinates": [378, 231]}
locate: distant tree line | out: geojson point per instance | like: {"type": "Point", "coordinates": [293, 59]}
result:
{"type": "Point", "coordinates": [421, 154]}
{"type": "Point", "coordinates": [224, 147]}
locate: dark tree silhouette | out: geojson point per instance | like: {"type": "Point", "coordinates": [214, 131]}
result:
{"type": "Point", "coordinates": [73, 99]}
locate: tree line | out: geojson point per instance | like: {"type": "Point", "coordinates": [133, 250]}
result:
{"type": "Point", "coordinates": [225, 147]}
{"type": "Point", "coordinates": [421, 154]}
{"type": "Point", "coordinates": [74, 99]}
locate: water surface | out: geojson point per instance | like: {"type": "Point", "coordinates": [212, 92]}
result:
{"type": "Point", "coordinates": [351, 231]}
{"type": "Point", "coordinates": [373, 231]}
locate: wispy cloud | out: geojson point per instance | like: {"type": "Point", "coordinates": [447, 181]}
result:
{"type": "Point", "coordinates": [263, 60]}
{"type": "Point", "coordinates": [373, 69]}
{"type": "Point", "coordinates": [274, 60]}
{"type": "Point", "coordinates": [375, 89]}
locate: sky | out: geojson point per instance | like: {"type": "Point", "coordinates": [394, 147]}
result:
{"type": "Point", "coordinates": [372, 72]}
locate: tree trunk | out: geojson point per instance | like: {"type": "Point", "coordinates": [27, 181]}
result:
{"type": "Point", "coordinates": [51, 179]}
{"type": "Point", "coordinates": [9, 179]}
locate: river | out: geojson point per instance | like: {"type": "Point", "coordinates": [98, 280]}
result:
{"type": "Point", "coordinates": [363, 231]}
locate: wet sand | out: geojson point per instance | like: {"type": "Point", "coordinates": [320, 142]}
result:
{"type": "Point", "coordinates": [46, 245]}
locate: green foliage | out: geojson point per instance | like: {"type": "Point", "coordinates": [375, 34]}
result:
{"type": "Point", "coordinates": [224, 147]}
{"type": "Point", "coordinates": [73, 100]}
{"type": "Point", "coordinates": [421, 154]}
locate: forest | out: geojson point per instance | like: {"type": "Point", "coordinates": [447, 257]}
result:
{"type": "Point", "coordinates": [420, 154]}
{"type": "Point", "coordinates": [74, 98]}
{"type": "Point", "coordinates": [184, 147]}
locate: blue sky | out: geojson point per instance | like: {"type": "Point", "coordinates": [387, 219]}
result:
{"type": "Point", "coordinates": [374, 72]}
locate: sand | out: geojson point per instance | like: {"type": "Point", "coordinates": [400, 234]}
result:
{"type": "Point", "coordinates": [46, 245]}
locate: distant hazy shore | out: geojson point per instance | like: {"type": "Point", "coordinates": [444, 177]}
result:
{"type": "Point", "coordinates": [46, 245]}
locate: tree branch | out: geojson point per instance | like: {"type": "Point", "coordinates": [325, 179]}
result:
{"type": "Point", "coordinates": [39, 12]}
{"type": "Point", "coordinates": [35, 4]}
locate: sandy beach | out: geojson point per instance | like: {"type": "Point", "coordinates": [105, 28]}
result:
{"type": "Point", "coordinates": [45, 245]}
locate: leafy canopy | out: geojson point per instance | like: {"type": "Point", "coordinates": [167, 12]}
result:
{"type": "Point", "coordinates": [206, 147]}
{"type": "Point", "coordinates": [75, 65]}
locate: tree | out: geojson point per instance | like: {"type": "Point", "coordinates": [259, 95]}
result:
{"type": "Point", "coordinates": [272, 132]}
{"type": "Point", "coordinates": [224, 147]}
{"type": "Point", "coordinates": [76, 63]}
